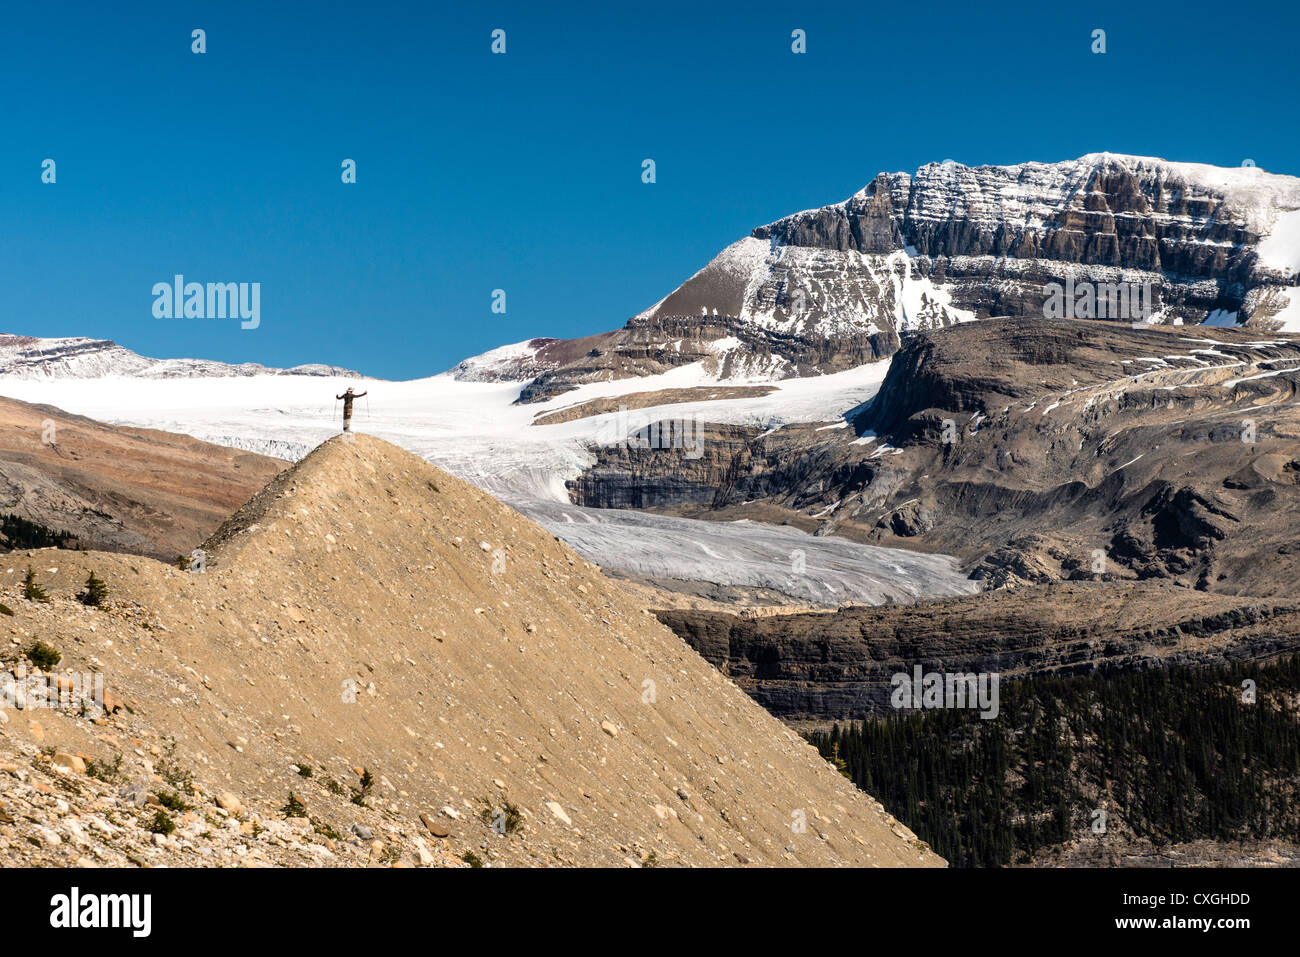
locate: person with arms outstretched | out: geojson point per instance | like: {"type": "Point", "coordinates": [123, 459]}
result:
{"type": "Point", "coordinates": [347, 398]}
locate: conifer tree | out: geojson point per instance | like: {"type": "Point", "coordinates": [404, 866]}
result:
{"type": "Point", "coordinates": [32, 589]}
{"type": "Point", "coordinates": [95, 592]}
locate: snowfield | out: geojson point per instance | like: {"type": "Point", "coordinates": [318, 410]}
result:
{"type": "Point", "coordinates": [473, 430]}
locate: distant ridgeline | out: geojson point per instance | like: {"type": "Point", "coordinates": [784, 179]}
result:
{"type": "Point", "coordinates": [1166, 755]}
{"type": "Point", "coordinates": [17, 532]}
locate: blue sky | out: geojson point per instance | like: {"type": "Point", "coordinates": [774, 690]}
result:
{"type": "Point", "coordinates": [523, 171]}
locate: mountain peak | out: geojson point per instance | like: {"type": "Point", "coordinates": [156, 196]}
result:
{"type": "Point", "coordinates": [830, 288]}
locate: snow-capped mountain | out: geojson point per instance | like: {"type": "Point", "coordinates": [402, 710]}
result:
{"type": "Point", "coordinates": [511, 363]}
{"type": "Point", "coordinates": [30, 357]}
{"type": "Point", "coordinates": [1210, 238]}
{"type": "Point", "coordinates": [829, 288]}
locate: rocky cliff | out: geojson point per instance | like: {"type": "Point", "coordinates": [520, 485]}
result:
{"type": "Point", "coordinates": [1131, 238]}
{"type": "Point", "coordinates": [822, 667]}
{"type": "Point", "coordinates": [1210, 239]}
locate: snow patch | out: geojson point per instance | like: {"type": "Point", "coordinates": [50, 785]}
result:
{"type": "Point", "coordinates": [1280, 250]}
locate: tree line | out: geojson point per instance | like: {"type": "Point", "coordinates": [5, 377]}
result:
{"type": "Point", "coordinates": [1165, 754]}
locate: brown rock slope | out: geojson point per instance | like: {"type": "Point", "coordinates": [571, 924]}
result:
{"type": "Point", "coordinates": [367, 610]}
{"type": "Point", "coordinates": [1172, 452]}
{"type": "Point", "coordinates": [116, 488]}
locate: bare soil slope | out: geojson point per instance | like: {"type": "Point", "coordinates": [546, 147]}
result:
{"type": "Point", "coordinates": [115, 488]}
{"type": "Point", "coordinates": [367, 610]}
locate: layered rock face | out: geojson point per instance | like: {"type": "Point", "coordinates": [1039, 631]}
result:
{"type": "Point", "coordinates": [729, 347]}
{"type": "Point", "coordinates": [732, 466]}
{"type": "Point", "coordinates": [822, 667]}
{"type": "Point", "coordinates": [1122, 237]}
{"type": "Point", "coordinates": [1050, 450]}
{"type": "Point", "coordinates": [993, 236]}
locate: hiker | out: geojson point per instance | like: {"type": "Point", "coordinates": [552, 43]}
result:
{"type": "Point", "coordinates": [347, 398]}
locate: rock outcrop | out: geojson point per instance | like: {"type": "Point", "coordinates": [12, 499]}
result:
{"type": "Point", "coordinates": [828, 666]}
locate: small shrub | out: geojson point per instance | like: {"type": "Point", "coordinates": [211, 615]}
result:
{"type": "Point", "coordinates": [304, 771]}
{"type": "Point", "coordinates": [94, 593]}
{"type": "Point", "coordinates": [324, 829]}
{"type": "Point", "coordinates": [367, 782]}
{"type": "Point", "coordinates": [171, 772]}
{"type": "Point", "coordinates": [183, 562]}
{"type": "Point", "coordinates": [105, 771]}
{"type": "Point", "coordinates": [472, 859]}
{"type": "Point", "coordinates": [294, 808]}
{"type": "Point", "coordinates": [335, 788]}
{"type": "Point", "coordinates": [32, 589]}
{"type": "Point", "coordinates": [162, 823]}
{"type": "Point", "coordinates": [504, 820]}
{"type": "Point", "coordinates": [172, 801]}
{"type": "Point", "coordinates": [44, 656]}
